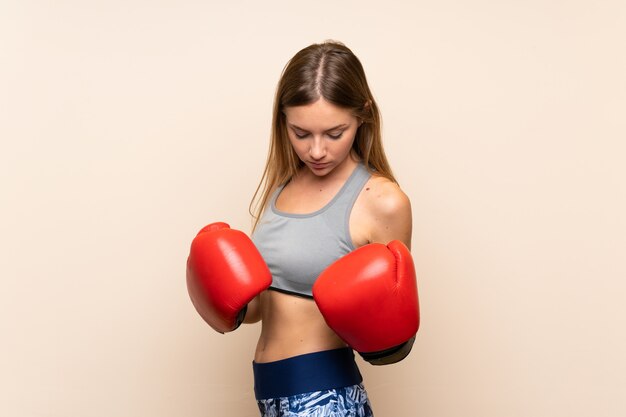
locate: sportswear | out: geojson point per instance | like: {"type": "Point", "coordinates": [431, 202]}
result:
{"type": "Point", "coordinates": [369, 298]}
{"type": "Point", "coordinates": [224, 273]}
{"type": "Point", "coordinates": [298, 247]}
{"type": "Point", "coordinates": [318, 384]}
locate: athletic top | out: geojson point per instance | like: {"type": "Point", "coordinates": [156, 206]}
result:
{"type": "Point", "coordinates": [298, 247]}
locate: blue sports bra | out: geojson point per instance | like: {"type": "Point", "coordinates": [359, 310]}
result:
{"type": "Point", "coordinates": [298, 247]}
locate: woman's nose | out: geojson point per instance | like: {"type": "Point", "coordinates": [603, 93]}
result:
{"type": "Point", "coordinates": [317, 149]}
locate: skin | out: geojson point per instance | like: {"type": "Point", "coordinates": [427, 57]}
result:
{"type": "Point", "coordinates": [322, 135]}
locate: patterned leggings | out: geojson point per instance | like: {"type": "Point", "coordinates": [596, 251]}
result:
{"type": "Point", "coordinates": [319, 384]}
{"type": "Point", "coordinates": [338, 402]}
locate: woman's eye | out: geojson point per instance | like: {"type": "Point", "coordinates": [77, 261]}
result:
{"type": "Point", "coordinates": [303, 135]}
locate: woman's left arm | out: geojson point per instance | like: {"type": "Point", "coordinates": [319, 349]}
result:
{"type": "Point", "coordinates": [369, 296]}
{"type": "Point", "coordinates": [390, 211]}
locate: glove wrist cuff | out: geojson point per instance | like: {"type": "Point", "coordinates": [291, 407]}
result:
{"type": "Point", "coordinates": [389, 356]}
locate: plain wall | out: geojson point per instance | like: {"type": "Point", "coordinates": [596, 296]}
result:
{"type": "Point", "coordinates": [126, 126]}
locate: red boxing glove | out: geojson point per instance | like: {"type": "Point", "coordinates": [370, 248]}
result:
{"type": "Point", "coordinates": [369, 298]}
{"type": "Point", "coordinates": [225, 271]}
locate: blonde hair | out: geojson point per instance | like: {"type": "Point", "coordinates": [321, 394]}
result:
{"type": "Point", "coordinates": [331, 71]}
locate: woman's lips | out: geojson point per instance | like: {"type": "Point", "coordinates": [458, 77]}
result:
{"type": "Point", "coordinates": [316, 165]}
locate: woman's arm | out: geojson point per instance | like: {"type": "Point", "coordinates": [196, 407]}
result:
{"type": "Point", "coordinates": [369, 296]}
{"type": "Point", "coordinates": [253, 313]}
{"type": "Point", "coordinates": [390, 213]}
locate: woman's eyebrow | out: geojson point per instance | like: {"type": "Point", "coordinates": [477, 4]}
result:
{"type": "Point", "coordinates": [327, 130]}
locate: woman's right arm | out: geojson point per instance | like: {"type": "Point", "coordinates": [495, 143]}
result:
{"type": "Point", "coordinates": [253, 313]}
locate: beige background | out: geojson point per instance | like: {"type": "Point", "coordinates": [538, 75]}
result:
{"type": "Point", "coordinates": [128, 125]}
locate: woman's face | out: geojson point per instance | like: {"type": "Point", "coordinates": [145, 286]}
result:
{"type": "Point", "coordinates": [321, 134]}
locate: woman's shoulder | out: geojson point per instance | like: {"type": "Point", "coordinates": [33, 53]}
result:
{"type": "Point", "coordinates": [389, 209]}
{"type": "Point", "coordinates": [385, 197]}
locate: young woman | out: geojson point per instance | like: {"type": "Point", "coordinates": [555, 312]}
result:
{"type": "Point", "coordinates": [325, 282]}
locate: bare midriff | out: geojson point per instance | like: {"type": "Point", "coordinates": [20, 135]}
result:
{"type": "Point", "coordinates": [292, 326]}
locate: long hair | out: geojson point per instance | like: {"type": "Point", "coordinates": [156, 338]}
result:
{"type": "Point", "coordinates": [331, 71]}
